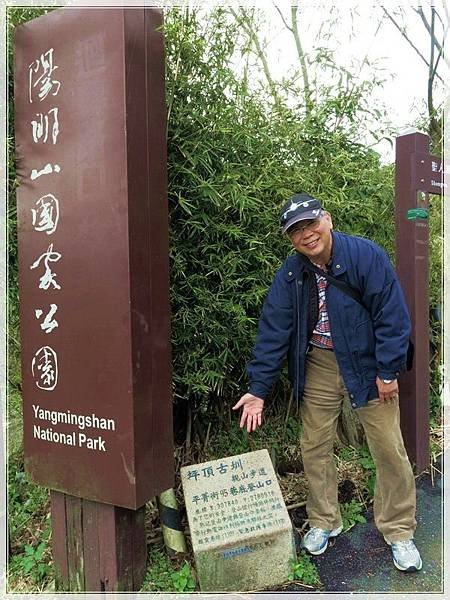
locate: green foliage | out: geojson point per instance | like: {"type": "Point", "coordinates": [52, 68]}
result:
{"type": "Point", "coordinates": [157, 578]}
{"type": "Point", "coordinates": [161, 575]}
{"type": "Point", "coordinates": [291, 430]}
{"type": "Point", "coordinates": [435, 448]}
{"type": "Point", "coordinates": [25, 500]}
{"type": "Point", "coordinates": [352, 513]}
{"type": "Point", "coordinates": [223, 195]}
{"type": "Point", "coordinates": [29, 529]}
{"type": "Point", "coordinates": [183, 579]}
{"type": "Point", "coordinates": [15, 433]}
{"type": "Point", "coordinates": [436, 287]}
{"type": "Point", "coordinates": [304, 570]}
{"type": "Point", "coordinates": [32, 562]}
{"type": "Point", "coordinates": [232, 440]}
{"type": "Point", "coordinates": [363, 458]}
{"type": "Point", "coordinates": [436, 234]}
{"type": "Point", "coordinates": [233, 160]}
{"type": "Point", "coordinates": [279, 437]}
{"type": "Point", "coordinates": [366, 461]}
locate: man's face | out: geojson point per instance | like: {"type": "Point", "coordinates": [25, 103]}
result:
{"type": "Point", "coordinates": [313, 238]}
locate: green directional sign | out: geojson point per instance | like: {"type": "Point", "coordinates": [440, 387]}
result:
{"type": "Point", "coordinates": [417, 213]}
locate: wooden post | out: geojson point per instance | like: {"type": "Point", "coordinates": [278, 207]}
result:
{"type": "Point", "coordinates": [97, 547]}
{"type": "Point", "coordinates": [94, 283]}
{"type": "Point", "coordinates": [417, 173]}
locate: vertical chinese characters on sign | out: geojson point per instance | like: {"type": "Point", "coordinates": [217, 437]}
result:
{"type": "Point", "coordinates": [46, 215]}
{"type": "Point", "coordinates": [45, 368]}
{"type": "Point", "coordinates": [43, 124]}
{"type": "Point", "coordinates": [45, 129]}
{"type": "Point", "coordinates": [40, 77]}
{"type": "Point", "coordinates": [48, 278]}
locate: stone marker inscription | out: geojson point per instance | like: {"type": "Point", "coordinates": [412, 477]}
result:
{"type": "Point", "coordinates": [241, 531]}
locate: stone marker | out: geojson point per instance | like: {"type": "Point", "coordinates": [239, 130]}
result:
{"type": "Point", "coordinates": [241, 532]}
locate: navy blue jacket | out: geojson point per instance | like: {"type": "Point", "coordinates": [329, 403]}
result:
{"type": "Point", "coordinates": [368, 341]}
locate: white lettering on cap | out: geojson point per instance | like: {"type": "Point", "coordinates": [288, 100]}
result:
{"type": "Point", "coordinates": [294, 206]}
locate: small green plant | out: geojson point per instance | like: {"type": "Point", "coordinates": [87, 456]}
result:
{"type": "Point", "coordinates": [366, 461]}
{"type": "Point", "coordinates": [161, 576]}
{"type": "Point", "coordinates": [183, 579]}
{"type": "Point", "coordinates": [25, 502]}
{"type": "Point", "coordinates": [32, 562]}
{"type": "Point", "coordinates": [304, 570]}
{"type": "Point", "coordinates": [233, 439]}
{"type": "Point", "coordinates": [352, 513]}
{"type": "Point", "coordinates": [346, 453]}
{"type": "Point", "coordinates": [159, 570]}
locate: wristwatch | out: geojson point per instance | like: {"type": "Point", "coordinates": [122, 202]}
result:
{"type": "Point", "coordinates": [388, 380]}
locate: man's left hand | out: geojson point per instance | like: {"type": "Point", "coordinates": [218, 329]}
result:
{"type": "Point", "coordinates": [387, 392]}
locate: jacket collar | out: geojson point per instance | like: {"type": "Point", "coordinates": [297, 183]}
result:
{"type": "Point", "coordinates": [338, 260]}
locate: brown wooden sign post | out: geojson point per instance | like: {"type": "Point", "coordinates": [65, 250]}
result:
{"type": "Point", "coordinates": [94, 282]}
{"type": "Point", "coordinates": [417, 173]}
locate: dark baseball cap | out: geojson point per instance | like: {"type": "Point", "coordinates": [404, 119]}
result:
{"type": "Point", "coordinates": [299, 208]}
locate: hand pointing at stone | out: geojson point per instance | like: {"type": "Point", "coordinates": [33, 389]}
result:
{"type": "Point", "coordinates": [252, 411]}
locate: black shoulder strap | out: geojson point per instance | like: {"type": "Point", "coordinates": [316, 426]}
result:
{"type": "Point", "coordinates": [342, 285]}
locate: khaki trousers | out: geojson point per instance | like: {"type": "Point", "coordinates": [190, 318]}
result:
{"type": "Point", "coordinates": [395, 492]}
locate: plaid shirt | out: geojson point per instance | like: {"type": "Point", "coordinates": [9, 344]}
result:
{"type": "Point", "coordinates": [322, 335]}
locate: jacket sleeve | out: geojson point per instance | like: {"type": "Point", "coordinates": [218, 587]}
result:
{"type": "Point", "coordinates": [272, 341]}
{"type": "Point", "coordinates": [384, 297]}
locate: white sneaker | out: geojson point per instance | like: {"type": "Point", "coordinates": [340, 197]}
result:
{"type": "Point", "coordinates": [405, 555]}
{"type": "Point", "coordinates": [316, 539]}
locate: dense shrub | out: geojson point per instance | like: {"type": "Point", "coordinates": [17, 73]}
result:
{"type": "Point", "coordinates": [233, 160]}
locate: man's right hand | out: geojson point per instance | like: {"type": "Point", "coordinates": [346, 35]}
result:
{"type": "Point", "coordinates": [251, 412]}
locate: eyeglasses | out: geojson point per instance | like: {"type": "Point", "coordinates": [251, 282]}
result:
{"type": "Point", "coordinates": [299, 229]}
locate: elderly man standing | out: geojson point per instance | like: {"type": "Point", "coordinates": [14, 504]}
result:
{"type": "Point", "coordinates": [336, 309]}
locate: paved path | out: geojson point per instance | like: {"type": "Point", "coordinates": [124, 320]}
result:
{"type": "Point", "coordinates": [360, 560]}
